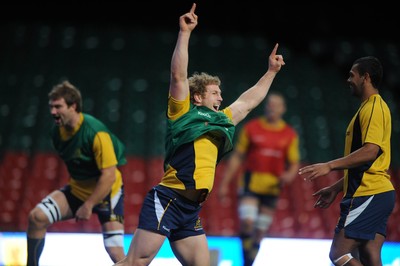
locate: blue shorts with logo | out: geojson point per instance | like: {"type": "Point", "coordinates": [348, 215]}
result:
{"type": "Point", "coordinates": [363, 217]}
{"type": "Point", "coordinates": [166, 212]}
{"type": "Point", "coordinates": [108, 210]}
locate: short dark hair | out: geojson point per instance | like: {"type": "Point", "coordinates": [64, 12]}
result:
{"type": "Point", "coordinates": [372, 66]}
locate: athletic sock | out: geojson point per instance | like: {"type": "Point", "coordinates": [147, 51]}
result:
{"type": "Point", "coordinates": [247, 245]}
{"type": "Point", "coordinates": [35, 248]}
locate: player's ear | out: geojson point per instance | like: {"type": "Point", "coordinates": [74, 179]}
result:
{"type": "Point", "coordinates": [197, 97]}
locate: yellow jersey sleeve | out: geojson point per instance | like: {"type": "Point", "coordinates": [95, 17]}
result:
{"type": "Point", "coordinates": [242, 142]}
{"type": "Point", "coordinates": [294, 151]}
{"type": "Point", "coordinates": [177, 108]}
{"type": "Point", "coordinates": [103, 149]}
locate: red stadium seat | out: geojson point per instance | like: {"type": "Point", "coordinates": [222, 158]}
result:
{"type": "Point", "coordinates": [13, 169]}
{"type": "Point", "coordinates": [135, 186]}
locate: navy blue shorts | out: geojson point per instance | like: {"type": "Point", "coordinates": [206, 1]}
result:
{"type": "Point", "coordinates": [166, 212]}
{"type": "Point", "coordinates": [107, 211]}
{"type": "Point", "coordinates": [265, 200]}
{"type": "Point", "coordinates": [363, 217]}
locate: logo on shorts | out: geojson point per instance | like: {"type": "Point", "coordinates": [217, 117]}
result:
{"type": "Point", "coordinates": [103, 206]}
{"type": "Point", "coordinates": [165, 228]}
{"type": "Point", "coordinates": [198, 226]}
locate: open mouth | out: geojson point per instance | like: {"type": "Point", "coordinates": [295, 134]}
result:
{"type": "Point", "coordinates": [57, 120]}
{"type": "Point", "coordinates": [216, 107]}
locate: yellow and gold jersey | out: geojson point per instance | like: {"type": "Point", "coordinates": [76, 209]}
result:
{"type": "Point", "coordinates": [371, 124]}
{"type": "Point", "coordinates": [197, 138]}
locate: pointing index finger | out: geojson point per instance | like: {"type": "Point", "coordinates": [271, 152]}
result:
{"type": "Point", "coordinates": [193, 8]}
{"type": "Point", "coordinates": [273, 53]}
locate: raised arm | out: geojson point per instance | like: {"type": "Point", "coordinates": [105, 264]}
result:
{"type": "Point", "coordinates": [179, 86]}
{"type": "Point", "coordinates": [251, 98]}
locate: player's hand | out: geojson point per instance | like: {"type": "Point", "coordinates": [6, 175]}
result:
{"type": "Point", "coordinates": [275, 61]}
{"type": "Point", "coordinates": [313, 171]}
{"type": "Point", "coordinates": [188, 21]}
{"type": "Point", "coordinates": [83, 213]}
{"type": "Point", "coordinates": [326, 196]}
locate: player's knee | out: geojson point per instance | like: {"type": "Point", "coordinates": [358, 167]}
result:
{"type": "Point", "coordinates": [264, 222]}
{"type": "Point", "coordinates": [248, 215]}
{"type": "Point", "coordinates": [342, 260]}
{"type": "Point", "coordinates": [47, 211]}
{"type": "Point", "coordinates": [37, 219]}
{"type": "Point", "coordinates": [114, 238]}
{"type": "Point", "coordinates": [248, 212]}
